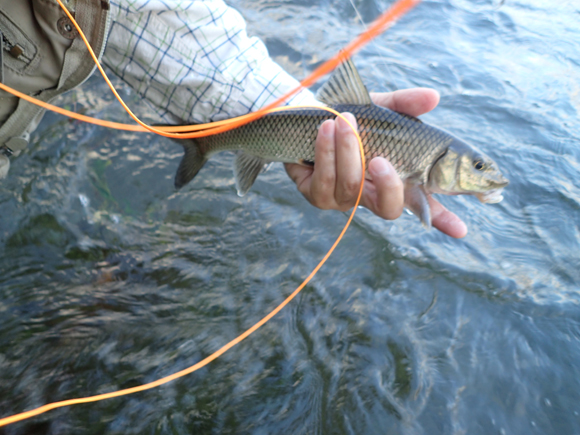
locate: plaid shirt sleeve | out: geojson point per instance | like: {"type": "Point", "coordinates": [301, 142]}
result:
{"type": "Point", "coordinates": [193, 60]}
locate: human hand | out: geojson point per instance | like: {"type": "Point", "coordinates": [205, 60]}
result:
{"type": "Point", "coordinates": [334, 182]}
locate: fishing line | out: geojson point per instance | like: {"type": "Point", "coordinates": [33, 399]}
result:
{"type": "Point", "coordinates": [48, 407]}
{"type": "Point", "coordinates": [383, 58]}
{"type": "Point", "coordinates": [379, 26]}
{"type": "Point", "coordinates": [194, 131]}
{"type": "Point", "coordinates": [111, 124]}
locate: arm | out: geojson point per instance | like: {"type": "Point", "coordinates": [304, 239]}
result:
{"type": "Point", "coordinates": [334, 182]}
{"type": "Point", "coordinates": [193, 60]}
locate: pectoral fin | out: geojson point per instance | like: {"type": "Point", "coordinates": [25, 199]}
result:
{"type": "Point", "coordinates": [416, 201]}
{"type": "Point", "coordinates": [246, 170]}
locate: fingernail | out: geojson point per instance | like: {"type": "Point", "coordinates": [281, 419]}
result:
{"type": "Point", "coordinates": [379, 167]}
{"type": "Point", "coordinates": [343, 126]}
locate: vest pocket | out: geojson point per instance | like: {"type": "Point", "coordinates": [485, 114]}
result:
{"type": "Point", "coordinates": [19, 51]}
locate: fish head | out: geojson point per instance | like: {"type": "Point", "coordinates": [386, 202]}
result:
{"type": "Point", "coordinates": [463, 169]}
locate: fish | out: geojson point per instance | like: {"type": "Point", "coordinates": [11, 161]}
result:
{"type": "Point", "coordinates": [428, 160]}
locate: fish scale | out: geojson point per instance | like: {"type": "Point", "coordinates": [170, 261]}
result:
{"type": "Point", "coordinates": [410, 145]}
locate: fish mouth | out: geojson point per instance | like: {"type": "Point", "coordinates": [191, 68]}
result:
{"type": "Point", "coordinates": [491, 196]}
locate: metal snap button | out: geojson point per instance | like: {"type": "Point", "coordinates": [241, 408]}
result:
{"type": "Point", "coordinates": [66, 28]}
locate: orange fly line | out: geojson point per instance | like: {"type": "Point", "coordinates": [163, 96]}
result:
{"type": "Point", "coordinates": [185, 132]}
{"type": "Point", "coordinates": [396, 11]}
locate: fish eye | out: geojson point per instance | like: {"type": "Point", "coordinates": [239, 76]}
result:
{"type": "Point", "coordinates": [478, 164]}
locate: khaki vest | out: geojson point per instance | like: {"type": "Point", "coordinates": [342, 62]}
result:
{"type": "Point", "coordinates": [43, 56]}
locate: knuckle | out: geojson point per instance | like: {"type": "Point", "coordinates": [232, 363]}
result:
{"type": "Point", "coordinates": [348, 191]}
{"type": "Point", "coordinates": [325, 150]}
{"type": "Point", "coordinates": [326, 182]}
{"type": "Point", "coordinates": [349, 143]}
{"type": "Point", "coordinates": [351, 187]}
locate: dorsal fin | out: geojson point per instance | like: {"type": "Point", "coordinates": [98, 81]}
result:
{"type": "Point", "coordinates": [344, 87]}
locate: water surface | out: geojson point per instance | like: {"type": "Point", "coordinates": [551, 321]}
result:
{"type": "Point", "coordinates": [110, 279]}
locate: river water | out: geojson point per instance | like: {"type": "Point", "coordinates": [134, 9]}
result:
{"type": "Point", "coordinates": [110, 278]}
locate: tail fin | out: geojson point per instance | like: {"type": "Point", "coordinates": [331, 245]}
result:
{"type": "Point", "coordinates": [193, 160]}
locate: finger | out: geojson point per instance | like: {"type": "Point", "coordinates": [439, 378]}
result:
{"type": "Point", "coordinates": [384, 196]}
{"type": "Point", "coordinates": [324, 175]}
{"type": "Point", "coordinates": [445, 221]}
{"type": "Point", "coordinates": [412, 102]}
{"type": "Point", "coordinates": [348, 165]}
{"type": "Point", "coordinates": [301, 175]}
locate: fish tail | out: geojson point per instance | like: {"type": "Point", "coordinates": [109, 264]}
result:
{"type": "Point", "coordinates": [192, 161]}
